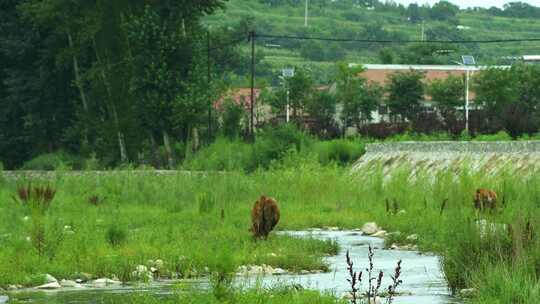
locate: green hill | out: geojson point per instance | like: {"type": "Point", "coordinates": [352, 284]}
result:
{"type": "Point", "coordinates": [354, 20]}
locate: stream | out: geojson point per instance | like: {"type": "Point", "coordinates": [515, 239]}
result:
{"type": "Point", "coordinates": [423, 280]}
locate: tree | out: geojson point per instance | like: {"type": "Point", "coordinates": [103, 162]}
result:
{"type": "Point", "coordinates": [405, 94]}
{"type": "Point", "coordinates": [300, 89]}
{"type": "Point", "coordinates": [322, 108]}
{"type": "Point", "coordinates": [425, 53]}
{"type": "Point", "coordinates": [444, 10]}
{"type": "Point", "coordinates": [413, 13]}
{"type": "Point", "coordinates": [358, 98]}
{"type": "Point", "coordinates": [232, 115]}
{"type": "Point", "coordinates": [449, 94]}
{"type": "Point", "coordinates": [511, 97]}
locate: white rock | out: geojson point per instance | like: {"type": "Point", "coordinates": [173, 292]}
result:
{"type": "Point", "coordinates": [50, 279]}
{"type": "Point", "coordinates": [394, 247]}
{"type": "Point", "coordinates": [153, 269]}
{"type": "Point", "coordinates": [402, 212]}
{"type": "Point", "coordinates": [69, 284]}
{"type": "Point", "coordinates": [467, 292]}
{"type": "Point", "coordinates": [159, 264]}
{"type": "Point", "coordinates": [370, 228]}
{"type": "Point", "coordinates": [141, 269]}
{"type": "Point", "coordinates": [379, 234]}
{"type": "Point", "coordinates": [105, 282]}
{"type": "Point", "coordinates": [412, 238]}
{"type": "Point", "coordinates": [304, 272]}
{"type": "Point", "coordinates": [53, 285]}
{"type": "Point", "coordinates": [4, 299]}
{"type": "Point", "coordinates": [279, 271]}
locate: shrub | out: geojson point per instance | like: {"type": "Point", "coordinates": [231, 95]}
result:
{"type": "Point", "coordinates": [340, 151]}
{"type": "Point", "coordinates": [116, 235]}
{"type": "Point", "coordinates": [273, 144]}
{"type": "Point", "coordinates": [53, 161]}
{"type": "Point", "coordinates": [221, 155]}
{"type": "Point", "coordinates": [206, 202]}
{"type": "Point", "coordinates": [500, 136]}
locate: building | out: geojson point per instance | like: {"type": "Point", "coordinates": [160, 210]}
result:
{"type": "Point", "coordinates": [380, 74]}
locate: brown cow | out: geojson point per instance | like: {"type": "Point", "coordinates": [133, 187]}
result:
{"type": "Point", "coordinates": [264, 217]}
{"type": "Point", "coordinates": [485, 199]}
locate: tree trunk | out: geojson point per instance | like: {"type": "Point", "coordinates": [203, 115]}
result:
{"type": "Point", "coordinates": [168, 149]}
{"type": "Point", "coordinates": [79, 84]}
{"type": "Point", "coordinates": [119, 133]}
{"type": "Point", "coordinates": [78, 80]}
{"type": "Point", "coordinates": [195, 140]}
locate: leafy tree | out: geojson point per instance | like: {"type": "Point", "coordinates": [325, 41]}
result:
{"type": "Point", "coordinates": [414, 13]}
{"type": "Point", "coordinates": [405, 94]}
{"type": "Point", "coordinates": [232, 115]}
{"type": "Point", "coordinates": [511, 97]}
{"type": "Point", "coordinates": [449, 94]}
{"type": "Point", "coordinates": [300, 89]}
{"type": "Point", "coordinates": [322, 108]}
{"type": "Point", "coordinates": [358, 98]}
{"type": "Point", "coordinates": [425, 53]}
{"type": "Point", "coordinates": [443, 10]}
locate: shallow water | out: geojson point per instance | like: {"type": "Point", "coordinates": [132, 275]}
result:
{"type": "Point", "coordinates": [421, 275]}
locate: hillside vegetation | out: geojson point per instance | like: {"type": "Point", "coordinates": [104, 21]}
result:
{"type": "Point", "coordinates": [382, 21]}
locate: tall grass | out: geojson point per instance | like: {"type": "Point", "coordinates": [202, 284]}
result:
{"type": "Point", "coordinates": [177, 218]}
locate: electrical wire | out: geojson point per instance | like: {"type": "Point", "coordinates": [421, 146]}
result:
{"type": "Point", "coordinates": [398, 41]}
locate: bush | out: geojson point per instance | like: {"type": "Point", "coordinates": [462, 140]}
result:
{"type": "Point", "coordinates": [53, 161]}
{"type": "Point", "coordinates": [116, 235]}
{"type": "Point", "coordinates": [273, 144]}
{"type": "Point", "coordinates": [340, 151]}
{"type": "Point", "coordinates": [221, 155]}
{"type": "Point", "coordinates": [500, 136]}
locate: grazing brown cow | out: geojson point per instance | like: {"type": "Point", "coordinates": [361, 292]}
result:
{"type": "Point", "coordinates": [485, 199]}
{"type": "Point", "coordinates": [264, 217]}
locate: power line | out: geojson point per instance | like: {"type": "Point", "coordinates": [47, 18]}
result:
{"type": "Point", "coordinates": [399, 41]}
{"type": "Point", "coordinates": [227, 44]}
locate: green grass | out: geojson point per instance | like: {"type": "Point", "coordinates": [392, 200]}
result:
{"type": "Point", "coordinates": [170, 218]}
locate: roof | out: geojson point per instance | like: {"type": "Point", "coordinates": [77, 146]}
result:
{"type": "Point", "coordinates": [531, 57]}
{"type": "Point", "coordinates": [241, 96]}
{"type": "Point", "coordinates": [380, 73]}
{"type": "Point", "coordinates": [429, 67]}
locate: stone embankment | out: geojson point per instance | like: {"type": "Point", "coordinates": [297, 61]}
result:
{"type": "Point", "coordinates": [432, 157]}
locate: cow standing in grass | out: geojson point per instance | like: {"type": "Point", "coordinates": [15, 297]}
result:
{"type": "Point", "coordinates": [264, 217]}
{"type": "Point", "coordinates": [485, 199]}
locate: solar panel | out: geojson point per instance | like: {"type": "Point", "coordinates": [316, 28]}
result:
{"type": "Point", "coordinates": [468, 60]}
{"type": "Point", "coordinates": [288, 72]}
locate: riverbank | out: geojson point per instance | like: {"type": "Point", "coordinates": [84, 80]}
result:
{"type": "Point", "coordinates": [131, 218]}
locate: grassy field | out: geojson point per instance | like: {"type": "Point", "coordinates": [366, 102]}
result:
{"type": "Point", "coordinates": [178, 219]}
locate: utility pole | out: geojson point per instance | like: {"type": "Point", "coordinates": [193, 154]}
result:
{"type": "Point", "coordinates": [252, 99]}
{"type": "Point", "coordinates": [209, 83]}
{"type": "Point", "coordinates": [423, 31]}
{"type": "Point", "coordinates": [467, 78]}
{"type": "Point", "coordinates": [307, 14]}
